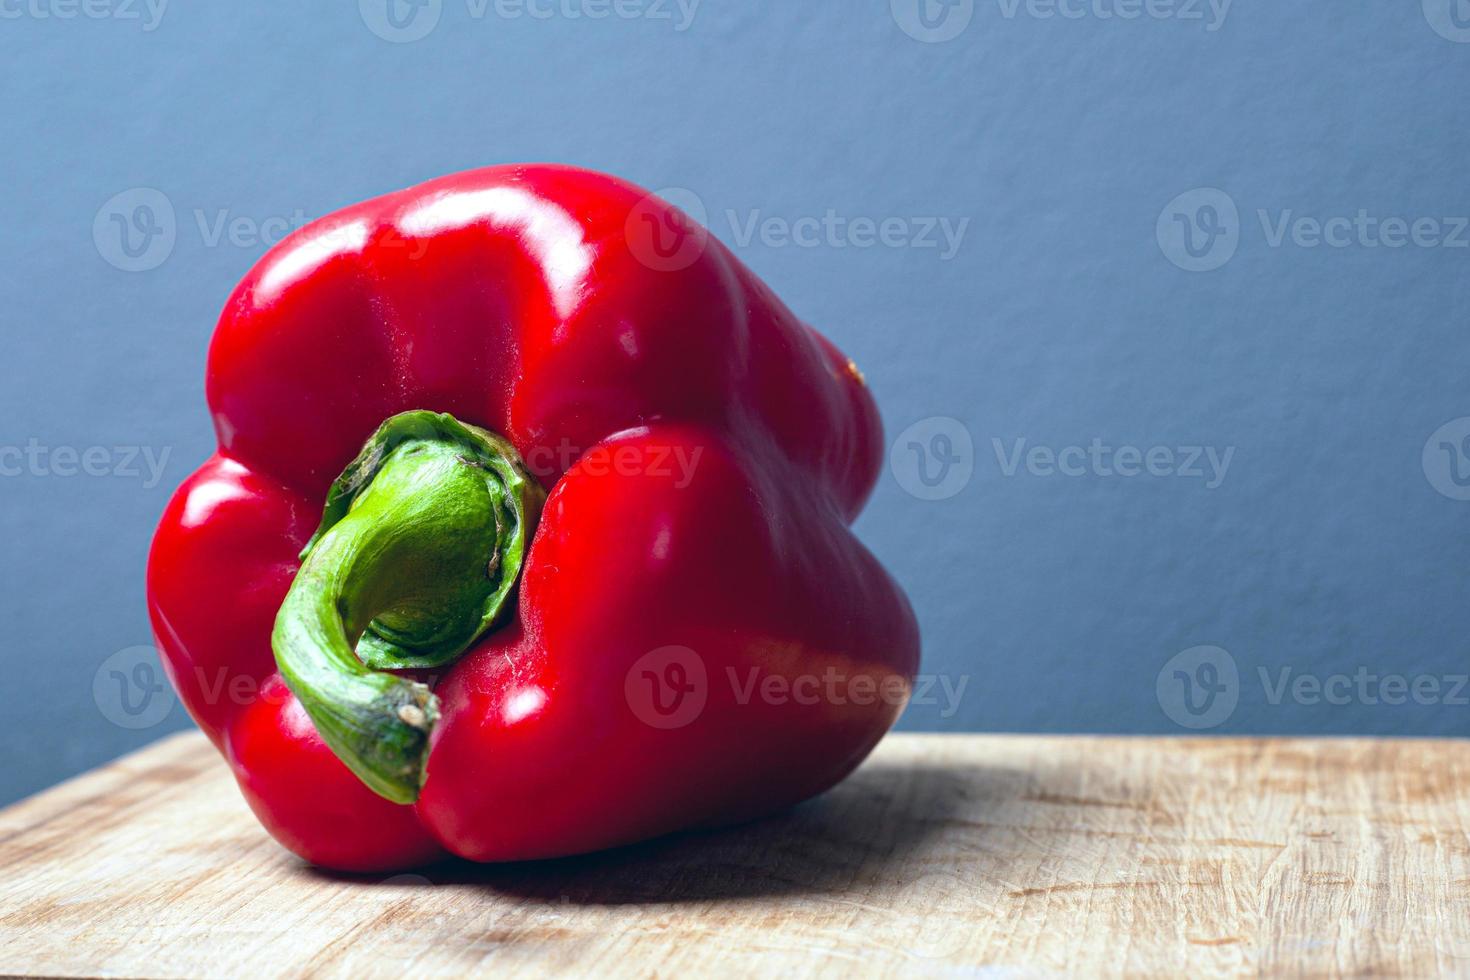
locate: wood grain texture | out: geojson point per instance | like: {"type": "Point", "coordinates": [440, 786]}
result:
{"type": "Point", "coordinates": [943, 855]}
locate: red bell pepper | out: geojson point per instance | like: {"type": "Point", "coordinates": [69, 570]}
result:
{"type": "Point", "coordinates": [527, 533]}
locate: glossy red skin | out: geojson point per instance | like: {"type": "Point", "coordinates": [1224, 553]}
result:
{"type": "Point", "coordinates": [515, 299]}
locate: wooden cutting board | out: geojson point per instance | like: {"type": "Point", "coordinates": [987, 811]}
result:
{"type": "Point", "coordinates": [943, 855]}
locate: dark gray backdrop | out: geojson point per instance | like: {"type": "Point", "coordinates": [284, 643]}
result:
{"type": "Point", "coordinates": [1068, 241]}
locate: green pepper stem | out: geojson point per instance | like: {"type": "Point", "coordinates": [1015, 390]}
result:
{"type": "Point", "coordinates": [421, 543]}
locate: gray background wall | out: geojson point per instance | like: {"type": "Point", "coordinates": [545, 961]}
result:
{"type": "Point", "coordinates": [1069, 149]}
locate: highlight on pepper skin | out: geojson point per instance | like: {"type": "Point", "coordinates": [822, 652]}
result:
{"type": "Point", "coordinates": [533, 530]}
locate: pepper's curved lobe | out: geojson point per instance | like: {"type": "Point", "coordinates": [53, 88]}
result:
{"type": "Point", "coordinates": [704, 452]}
